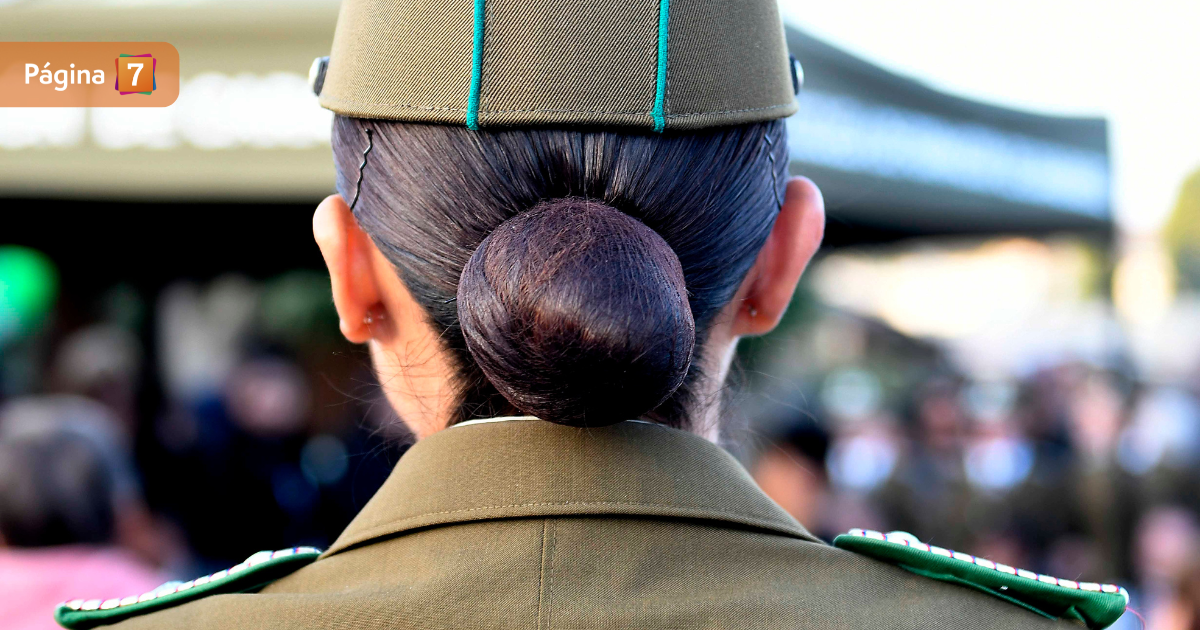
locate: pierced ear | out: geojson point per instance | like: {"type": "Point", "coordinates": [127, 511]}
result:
{"type": "Point", "coordinates": [347, 251]}
{"type": "Point", "coordinates": [795, 238]}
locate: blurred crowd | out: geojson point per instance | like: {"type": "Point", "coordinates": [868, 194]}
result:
{"type": "Point", "coordinates": [145, 438]}
{"type": "Point", "coordinates": [1073, 471]}
{"type": "Point", "coordinates": [154, 435]}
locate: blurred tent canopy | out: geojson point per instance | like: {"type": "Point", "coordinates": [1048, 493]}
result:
{"type": "Point", "coordinates": [897, 158]}
{"type": "Point", "coordinates": [246, 144]}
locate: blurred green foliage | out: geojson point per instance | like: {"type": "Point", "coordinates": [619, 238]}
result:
{"type": "Point", "coordinates": [1182, 233]}
{"type": "Point", "coordinates": [28, 290]}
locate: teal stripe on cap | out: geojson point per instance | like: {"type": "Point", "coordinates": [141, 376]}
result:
{"type": "Point", "coordinates": [660, 88]}
{"type": "Point", "coordinates": [476, 69]}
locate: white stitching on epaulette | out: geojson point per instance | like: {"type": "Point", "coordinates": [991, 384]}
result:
{"type": "Point", "coordinates": [906, 539]}
{"type": "Point", "coordinates": [258, 558]}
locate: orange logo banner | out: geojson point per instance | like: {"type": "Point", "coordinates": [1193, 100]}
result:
{"type": "Point", "coordinates": [88, 74]}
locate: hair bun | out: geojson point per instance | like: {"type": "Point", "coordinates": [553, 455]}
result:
{"type": "Point", "coordinates": [577, 313]}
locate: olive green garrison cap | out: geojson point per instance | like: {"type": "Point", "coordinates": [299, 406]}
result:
{"type": "Point", "coordinates": [652, 64]}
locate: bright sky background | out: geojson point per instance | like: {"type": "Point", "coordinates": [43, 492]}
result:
{"type": "Point", "coordinates": [1135, 62]}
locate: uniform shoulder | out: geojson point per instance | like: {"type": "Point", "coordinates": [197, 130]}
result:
{"type": "Point", "coordinates": [1091, 604]}
{"type": "Point", "coordinates": [249, 576]}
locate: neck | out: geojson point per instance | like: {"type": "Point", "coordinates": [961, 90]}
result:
{"type": "Point", "coordinates": [705, 413]}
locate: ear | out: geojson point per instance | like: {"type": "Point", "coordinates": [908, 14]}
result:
{"type": "Point", "coordinates": [768, 288]}
{"type": "Point", "coordinates": [348, 253]}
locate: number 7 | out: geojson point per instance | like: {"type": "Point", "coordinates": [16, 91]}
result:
{"type": "Point", "coordinates": [135, 72]}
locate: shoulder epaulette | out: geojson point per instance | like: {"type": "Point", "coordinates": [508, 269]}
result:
{"type": "Point", "coordinates": [1096, 605]}
{"type": "Point", "coordinates": [256, 572]}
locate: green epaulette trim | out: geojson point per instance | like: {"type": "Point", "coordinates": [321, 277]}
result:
{"type": "Point", "coordinates": [1096, 605]}
{"type": "Point", "coordinates": [256, 572]}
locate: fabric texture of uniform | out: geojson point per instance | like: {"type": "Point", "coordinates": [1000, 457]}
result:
{"type": "Point", "coordinates": [651, 64]}
{"type": "Point", "coordinates": [528, 524]}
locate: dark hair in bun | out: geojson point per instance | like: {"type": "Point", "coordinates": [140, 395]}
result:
{"type": "Point", "coordinates": [577, 313]}
{"type": "Point", "coordinates": [572, 274]}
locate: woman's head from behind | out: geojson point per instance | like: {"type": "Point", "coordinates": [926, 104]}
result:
{"type": "Point", "coordinates": [585, 277]}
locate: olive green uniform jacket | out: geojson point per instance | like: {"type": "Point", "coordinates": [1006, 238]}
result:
{"type": "Point", "coordinates": [531, 525]}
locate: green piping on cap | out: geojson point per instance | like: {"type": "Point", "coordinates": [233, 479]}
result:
{"type": "Point", "coordinates": [476, 69]}
{"type": "Point", "coordinates": [660, 85]}
{"type": "Point", "coordinates": [650, 65]}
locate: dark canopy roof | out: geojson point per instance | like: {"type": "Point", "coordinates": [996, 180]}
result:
{"type": "Point", "coordinates": [896, 158]}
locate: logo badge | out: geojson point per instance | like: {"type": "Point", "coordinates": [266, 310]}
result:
{"type": "Point", "coordinates": [135, 74]}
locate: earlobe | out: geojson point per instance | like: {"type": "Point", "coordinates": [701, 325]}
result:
{"type": "Point", "coordinates": [794, 240]}
{"type": "Point", "coordinates": [347, 253]}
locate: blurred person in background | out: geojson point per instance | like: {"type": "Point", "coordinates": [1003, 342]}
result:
{"type": "Point", "coordinates": [998, 461]}
{"type": "Point", "coordinates": [1035, 511]}
{"type": "Point", "coordinates": [863, 451]}
{"type": "Point", "coordinates": [68, 499]}
{"type": "Point", "coordinates": [101, 361]}
{"type": "Point", "coordinates": [237, 451]}
{"type": "Point", "coordinates": [1166, 548]}
{"type": "Point", "coordinates": [255, 448]}
{"type": "Point", "coordinates": [1182, 612]}
{"type": "Point", "coordinates": [791, 470]}
{"type": "Point", "coordinates": [1160, 445]}
{"type": "Point", "coordinates": [928, 492]}
{"type": "Point", "coordinates": [252, 423]}
{"type": "Point", "coordinates": [1102, 497]}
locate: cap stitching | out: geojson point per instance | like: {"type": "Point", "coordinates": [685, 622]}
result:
{"type": "Point", "coordinates": [667, 81]}
{"type": "Point", "coordinates": [335, 99]}
{"type": "Point", "coordinates": [563, 111]}
{"type": "Point", "coordinates": [730, 111]}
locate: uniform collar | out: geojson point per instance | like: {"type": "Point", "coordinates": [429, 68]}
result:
{"type": "Point", "coordinates": [530, 468]}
